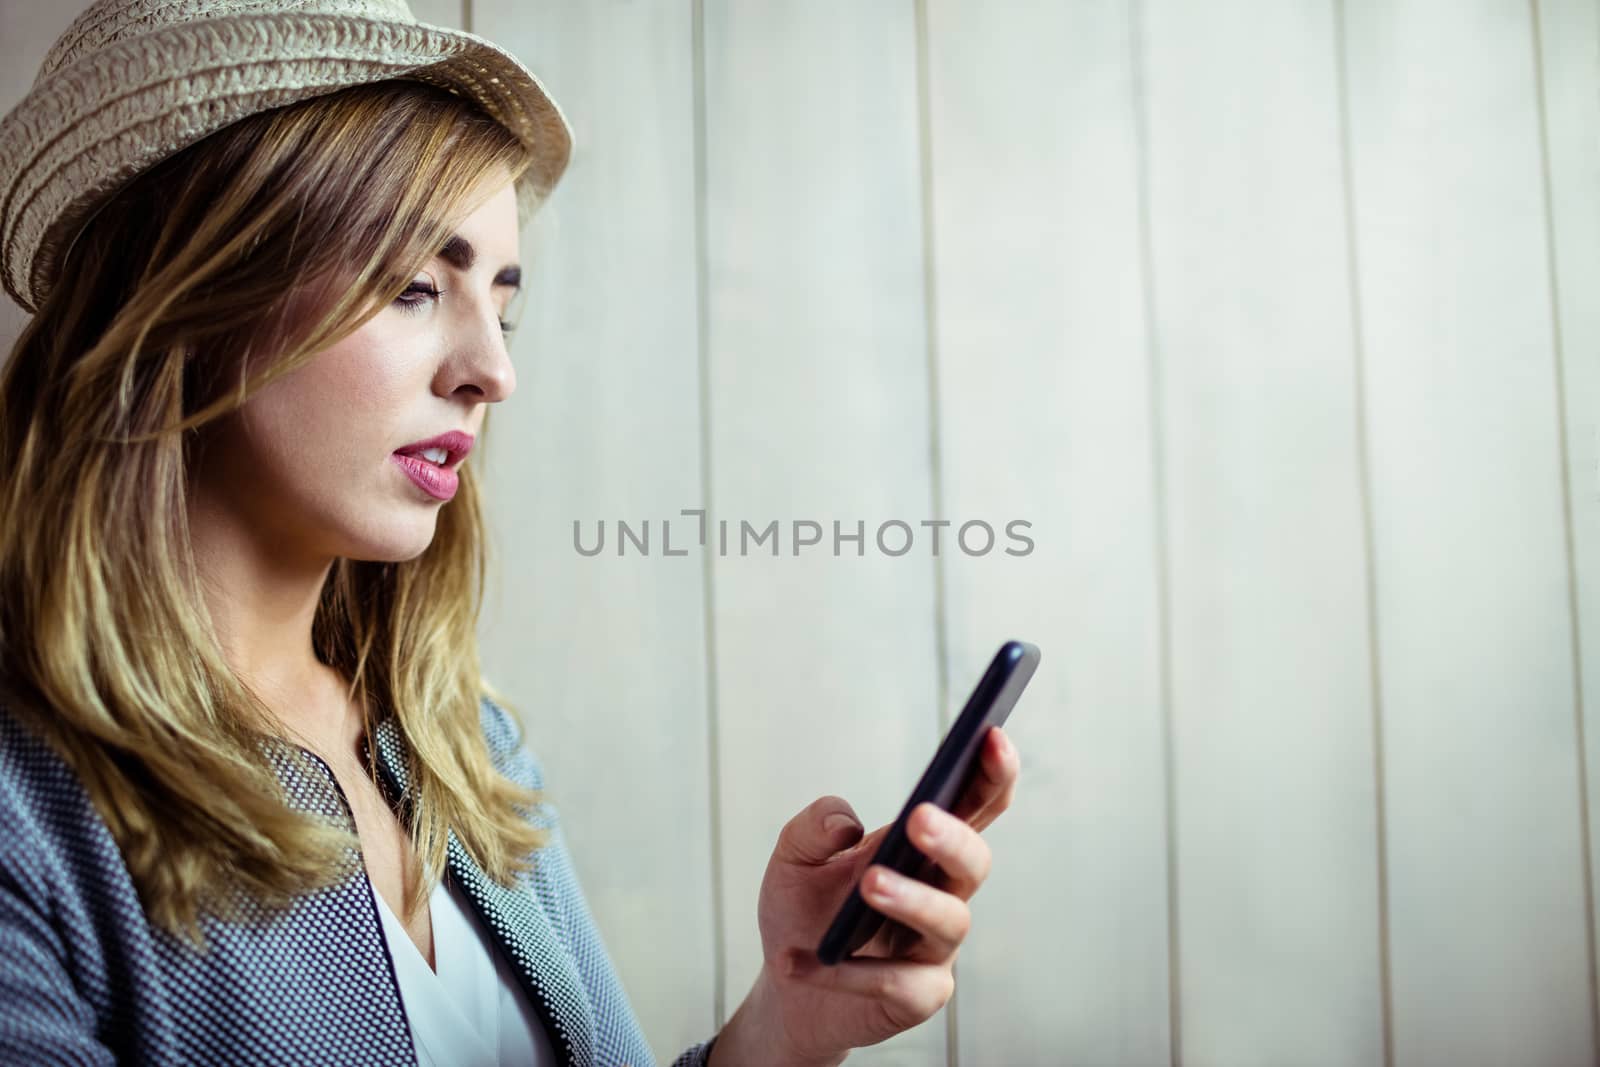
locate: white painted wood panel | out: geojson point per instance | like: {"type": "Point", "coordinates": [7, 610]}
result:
{"type": "Point", "coordinates": [826, 672]}
{"type": "Point", "coordinates": [1570, 46]}
{"type": "Point", "coordinates": [449, 13]}
{"type": "Point", "coordinates": [1488, 913]}
{"type": "Point", "coordinates": [1273, 754]}
{"type": "Point", "coordinates": [607, 653]}
{"type": "Point", "coordinates": [1044, 416]}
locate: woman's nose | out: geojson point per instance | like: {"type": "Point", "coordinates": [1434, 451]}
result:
{"type": "Point", "coordinates": [484, 359]}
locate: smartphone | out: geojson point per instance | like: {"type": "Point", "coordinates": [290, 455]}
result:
{"type": "Point", "coordinates": [943, 783]}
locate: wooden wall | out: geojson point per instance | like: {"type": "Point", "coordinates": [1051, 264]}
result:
{"type": "Point", "coordinates": [1276, 323]}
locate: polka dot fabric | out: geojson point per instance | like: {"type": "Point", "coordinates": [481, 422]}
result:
{"type": "Point", "coordinates": [86, 979]}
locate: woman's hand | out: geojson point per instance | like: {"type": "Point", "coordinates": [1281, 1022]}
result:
{"type": "Point", "coordinates": [803, 1012]}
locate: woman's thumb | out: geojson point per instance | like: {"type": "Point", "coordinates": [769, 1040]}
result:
{"type": "Point", "coordinates": [826, 826]}
{"type": "Point", "coordinates": [843, 829]}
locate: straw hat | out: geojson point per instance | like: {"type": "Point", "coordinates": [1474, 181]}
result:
{"type": "Point", "coordinates": [132, 82]}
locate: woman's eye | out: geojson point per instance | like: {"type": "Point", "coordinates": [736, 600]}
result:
{"type": "Point", "coordinates": [420, 293]}
{"type": "Point", "coordinates": [416, 295]}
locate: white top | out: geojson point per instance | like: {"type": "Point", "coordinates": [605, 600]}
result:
{"type": "Point", "coordinates": [472, 1013]}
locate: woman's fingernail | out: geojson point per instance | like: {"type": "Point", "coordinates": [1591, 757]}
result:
{"type": "Point", "coordinates": [838, 822]}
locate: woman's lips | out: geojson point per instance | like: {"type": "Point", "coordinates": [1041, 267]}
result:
{"type": "Point", "coordinates": [438, 482]}
{"type": "Point", "coordinates": [456, 444]}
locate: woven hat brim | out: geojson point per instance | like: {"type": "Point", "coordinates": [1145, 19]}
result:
{"type": "Point", "coordinates": [90, 127]}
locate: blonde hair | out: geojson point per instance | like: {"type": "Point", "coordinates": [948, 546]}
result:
{"type": "Point", "coordinates": [182, 297]}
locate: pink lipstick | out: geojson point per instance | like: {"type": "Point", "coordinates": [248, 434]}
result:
{"type": "Point", "coordinates": [431, 463]}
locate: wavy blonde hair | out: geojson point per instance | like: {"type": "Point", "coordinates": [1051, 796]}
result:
{"type": "Point", "coordinates": [183, 296]}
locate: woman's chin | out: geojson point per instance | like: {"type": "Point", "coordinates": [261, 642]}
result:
{"type": "Point", "coordinates": [407, 537]}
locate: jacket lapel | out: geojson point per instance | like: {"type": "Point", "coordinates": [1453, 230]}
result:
{"type": "Point", "coordinates": [516, 920]}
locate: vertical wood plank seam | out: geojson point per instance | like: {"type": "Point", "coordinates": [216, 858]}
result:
{"type": "Point", "coordinates": [719, 948]}
{"type": "Point", "coordinates": [1158, 476]}
{"type": "Point", "coordinates": [952, 1035]}
{"type": "Point", "coordinates": [1558, 345]}
{"type": "Point", "coordinates": [1368, 534]}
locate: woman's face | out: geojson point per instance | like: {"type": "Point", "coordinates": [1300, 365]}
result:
{"type": "Point", "coordinates": [309, 467]}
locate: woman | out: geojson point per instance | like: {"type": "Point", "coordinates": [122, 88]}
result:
{"type": "Point", "coordinates": [261, 805]}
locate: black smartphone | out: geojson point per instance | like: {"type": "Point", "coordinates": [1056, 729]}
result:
{"type": "Point", "coordinates": [943, 783]}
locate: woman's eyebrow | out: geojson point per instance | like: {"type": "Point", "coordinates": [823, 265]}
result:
{"type": "Point", "coordinates": [459, 253]}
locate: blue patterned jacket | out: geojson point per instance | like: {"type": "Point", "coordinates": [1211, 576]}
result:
{"type": "Point", "coordinates": [85, 978]}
